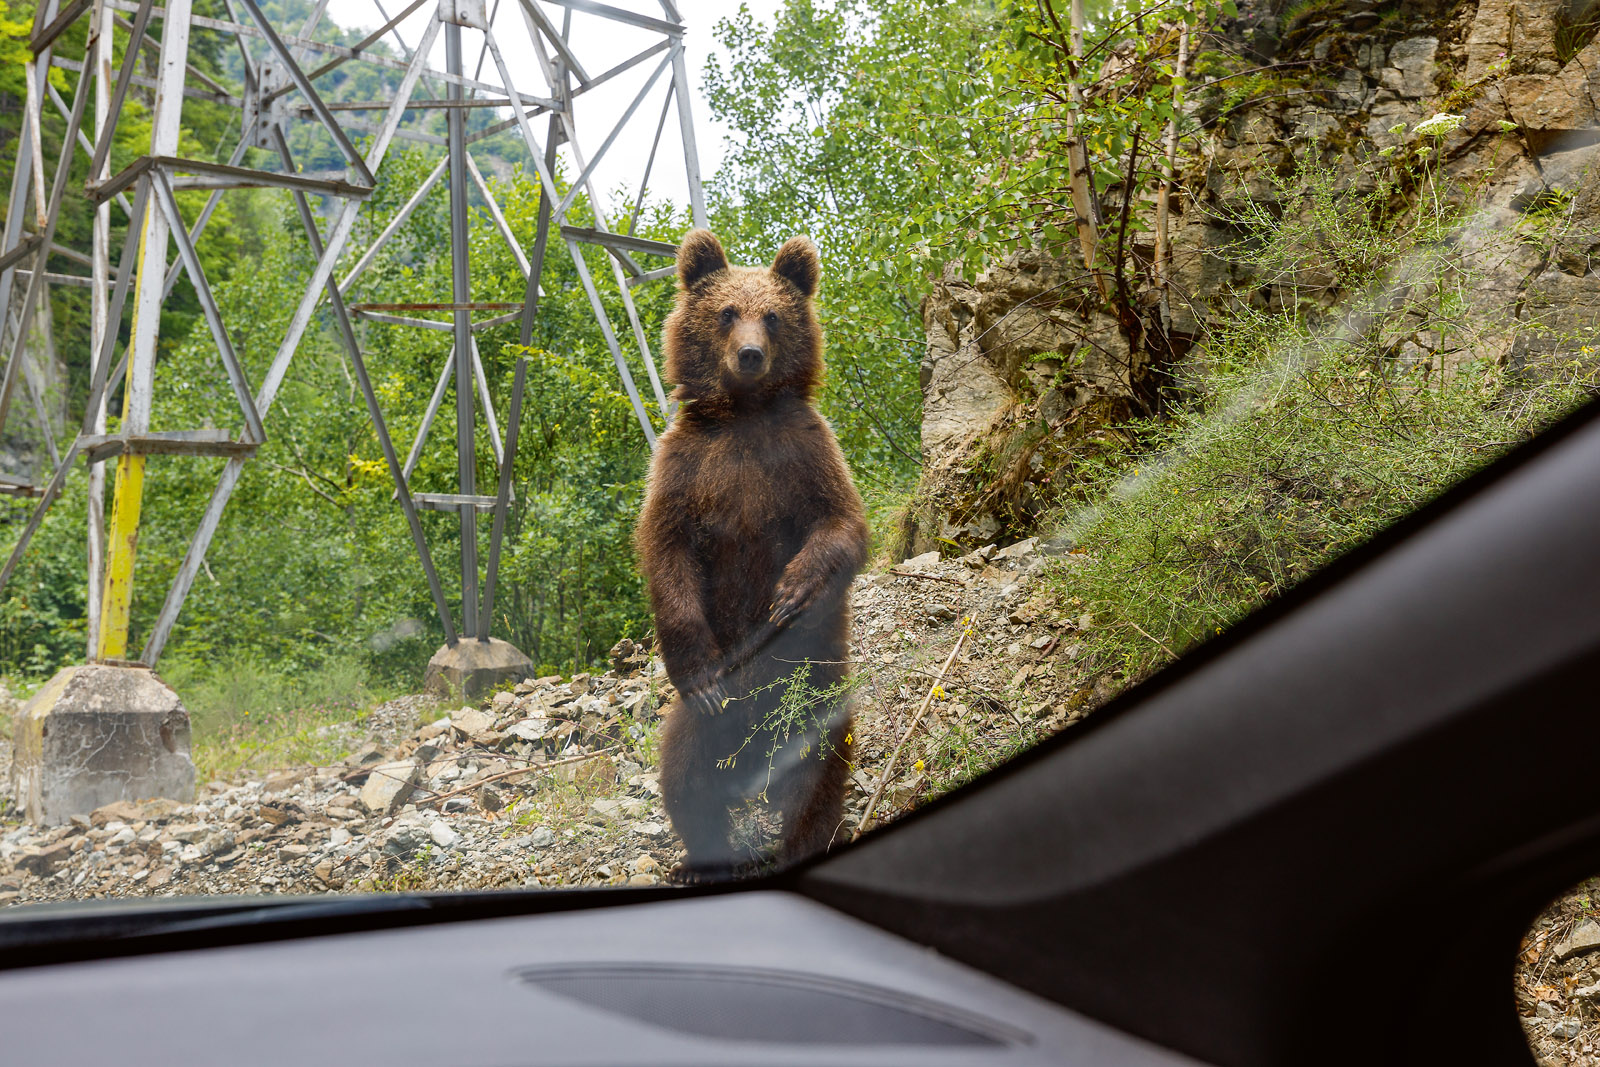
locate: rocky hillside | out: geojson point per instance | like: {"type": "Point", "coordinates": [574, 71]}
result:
{"type": "Point", "coordinates": [553, 782]}
{"type": "Point", "coordinates": [1023, 374]}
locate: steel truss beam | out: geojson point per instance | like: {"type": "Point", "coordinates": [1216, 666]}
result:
{"type": "Point", "coordinates": [145, 274]}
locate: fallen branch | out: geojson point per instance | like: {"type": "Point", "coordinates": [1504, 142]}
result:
{"type": "Point", "coordinates": [516, 771]}
{"type": "Point", "coordinates": [929, 577]}
{"type": "Point", "coordinates": [927, 701]}
{"type": "Point", "coordinates": [1152, 637]}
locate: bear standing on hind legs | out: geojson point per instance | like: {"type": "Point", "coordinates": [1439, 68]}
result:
{"type": "Point", "coordinates": [750, 535]}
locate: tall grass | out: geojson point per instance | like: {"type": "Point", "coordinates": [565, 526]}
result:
{"type": "Point", "coordinates": [1305, 431]}
{"type": "Point", "coordinates": [249, 715]}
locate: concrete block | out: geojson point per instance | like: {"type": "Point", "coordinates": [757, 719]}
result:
{"type": "Point", "coordinates": [94, 735]}
{"type": "Point", "coordinates": [470, 668]}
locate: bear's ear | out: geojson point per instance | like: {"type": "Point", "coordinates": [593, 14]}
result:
{"type": "Point", "coordinates": [699, 255]}
{"type": "Point", "coordinates": [797, 263]}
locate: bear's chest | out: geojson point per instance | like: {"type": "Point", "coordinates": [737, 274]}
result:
{"type": "Point", "coordinates": [751, 488]}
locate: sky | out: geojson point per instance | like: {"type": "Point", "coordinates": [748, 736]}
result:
{"type": "Point", "coordinates": [599, 45]}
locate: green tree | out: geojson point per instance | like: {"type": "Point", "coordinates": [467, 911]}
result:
{"type": "Point", "coordinates": [858, 121]}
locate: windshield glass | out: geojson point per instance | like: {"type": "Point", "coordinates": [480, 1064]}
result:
{"type": "Point", "coordinates": [559, 445]}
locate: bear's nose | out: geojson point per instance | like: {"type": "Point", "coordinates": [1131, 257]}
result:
{"type": "Point", "coordinates": [751, 358]}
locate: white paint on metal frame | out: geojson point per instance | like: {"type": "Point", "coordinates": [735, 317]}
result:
{"type": "Point", "coordinates": [100, 271]}
{"type": "Point", "coordinates": [166, 124]}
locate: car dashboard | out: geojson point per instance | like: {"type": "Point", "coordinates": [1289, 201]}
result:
{"type": "Point", "coordinates": [751, 978]}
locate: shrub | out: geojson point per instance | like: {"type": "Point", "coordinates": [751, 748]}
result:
{"type": "Point", "coordinates": [1307, 431]}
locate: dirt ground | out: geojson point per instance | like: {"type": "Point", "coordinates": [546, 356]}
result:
{"type": "Point", "coordinates": [1558, 980]}
{"type": "Point", "coordinates": [553, 783]}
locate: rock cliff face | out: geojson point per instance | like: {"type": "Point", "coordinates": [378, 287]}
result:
{"type": "Point", "coordinates": [1016, 363]}
{"type": "Point", "coordinates": [1019, 369]}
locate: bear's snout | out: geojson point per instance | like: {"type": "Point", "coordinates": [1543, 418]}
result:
{"type": "Point", "coordinates": [746, 357]}
{"type": "Point", "coordinates": [752, 360]}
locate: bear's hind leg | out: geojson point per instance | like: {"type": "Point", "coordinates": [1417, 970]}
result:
{"type": "Point", "coordinates": [812, 798]}
{"type": "Point", "coordinates": [694, 794]}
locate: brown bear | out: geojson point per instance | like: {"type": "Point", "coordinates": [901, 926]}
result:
{"type": "Point", "coordinates": [749, 538]}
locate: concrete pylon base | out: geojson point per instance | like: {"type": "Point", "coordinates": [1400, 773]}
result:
{"type": "Point", "coordinates": [470, 668]}
{"type": "Point", "coordinates": [96, 734]}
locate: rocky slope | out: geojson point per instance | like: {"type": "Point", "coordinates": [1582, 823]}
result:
{"type": "Point", "coordinates": [553, 783]}
{"type": "Point", "coordinates": [1021, 371]}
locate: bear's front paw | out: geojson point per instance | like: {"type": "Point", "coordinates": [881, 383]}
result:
{"type": "Point", "coordinates": [705, 696]}
{"type": "Point", "coordinates": [794, 596]}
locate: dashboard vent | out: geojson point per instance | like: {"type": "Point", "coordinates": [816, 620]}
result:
{"type": "Point", "coordinates": [780, 1007]}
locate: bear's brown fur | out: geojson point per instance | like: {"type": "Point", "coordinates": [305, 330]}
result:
{"type": "Point", "coordinates": [750, 535]}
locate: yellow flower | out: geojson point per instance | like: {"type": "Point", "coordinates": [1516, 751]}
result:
{"type": "Point", "coordinates": [938, 692]}
{"type": "Point", "coordinates": [849, 739]}
{"type": "Point", "coordinates": [919, 765]}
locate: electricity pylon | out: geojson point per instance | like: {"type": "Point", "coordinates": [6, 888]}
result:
{"type": "Point", "coordinates": [282, 67]}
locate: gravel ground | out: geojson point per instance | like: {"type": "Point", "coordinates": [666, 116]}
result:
{"type": "Point", "coordinates": [553, 783]}
{"type": "Point", "coordinates": [1558, 980]}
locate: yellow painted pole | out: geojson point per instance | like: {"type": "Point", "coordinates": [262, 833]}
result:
{"type": "Point", "coordinates": [126, 501]}
{"type": "Point", "coordinates": [139, 390]}
{"type": "Point", "coordinates": [127, 498]}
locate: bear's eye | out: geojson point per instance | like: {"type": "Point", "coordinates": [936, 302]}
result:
{"type": "Point", "coordinates": [770, 320]}
{"type": "Point", "coordinates": [728, 315]}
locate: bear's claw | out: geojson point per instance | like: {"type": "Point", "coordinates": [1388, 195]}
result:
{"type": "Point", "coordinates": [707, 698]}
{"type": "Point", "coordinates": [790, 602]}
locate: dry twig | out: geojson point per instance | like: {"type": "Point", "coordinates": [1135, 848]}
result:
{"type": "Point", "coordinates": [929, 577]}
{"type": "Point", "coordinates": [519, 770]}
{"type": "Point", "coordinates": [927, 701]}
{"type": "Point", "coordinates": [1152, 637]}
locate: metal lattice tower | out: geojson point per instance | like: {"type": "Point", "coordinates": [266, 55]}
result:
{"type": "Point", "coordinates": [282, 67]}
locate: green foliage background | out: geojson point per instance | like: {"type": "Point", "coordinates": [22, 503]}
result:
{"type": "Point", "coordinates": [312, 562]}
{"type": "Point", "coordinates": [911, 139]}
